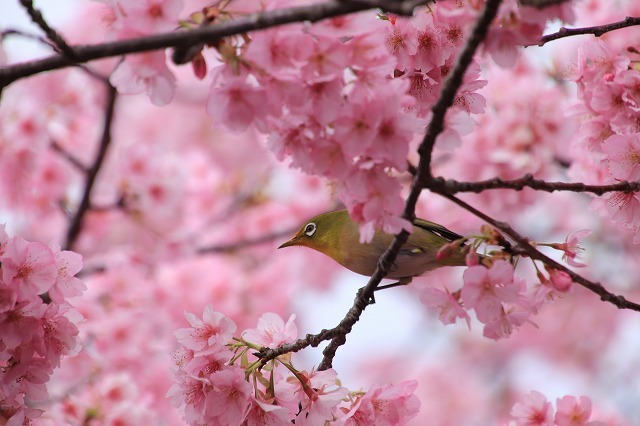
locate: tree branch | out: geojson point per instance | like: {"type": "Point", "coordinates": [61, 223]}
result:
{"type": "Point", "coordinates": [524, 247]}
{"type": "Point", "coordinates": [597, 30]}
{"type": "Point", "coordinates": [450, 186]}
{"type": "Point", "coordinates": [541, 4]}
{"type": "Point", "coordinates": [12, 32]}
{"type": "Point", "coordinates": [208, 34]}
{"type": "Point", "coordinates": [55, 146]}
{"type": "Point", "coordinates": [92, 172]}
{"type": "Point", "coordinates": [52, 34]}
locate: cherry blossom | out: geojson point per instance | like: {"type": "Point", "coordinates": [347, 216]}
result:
{"type": "Point", "coordinates": [446, 304]}
{"type": "Point", "coordinates": [272, 331]}
{"type": "Point", "coordinates": [485, 290]}
{"type": "Point", "coordinates": [533, 410]}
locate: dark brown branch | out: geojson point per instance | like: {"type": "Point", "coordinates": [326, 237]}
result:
{"type": "Point", "coordinates": [541, 4]}
{"type": "Point", "coordinates": [51, 34]}
{"type": "Point", "coordinates": [55, 146]}
{"type": "Point", "coordinates": [597, 30]}
{"type": "Point", "coordinates": [524, 246]}
{"type": "Point", "coordinates": [450, 186]}
{"type": "Point", "coordinates": [208, 34]}
{"type": "Point", "coordinates": [28, 36]}
{"type": "Point", "coordinates": [92, 172]}
{"type": "Point", "coordinates": [446, 99]}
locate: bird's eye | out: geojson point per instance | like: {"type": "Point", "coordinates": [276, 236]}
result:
{"type": "Point", "coordinates": [310, 229]}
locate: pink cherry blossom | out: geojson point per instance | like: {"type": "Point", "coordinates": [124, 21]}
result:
{"type": "Point", "coordinates": [66, 284]}
{"type": "Point", "coordinates": [505, 323]}
{"type": "Point", "coordinates": [237, 103]}
{"type": "Point", "coordinates": [533, 410]}
{"type": "Point", "coordinates": [326, 59]}
{"type": "Point", "coordinates": [208, 361]}
{"type": "Point", "coordinates": [261, 414]}
{"type": "Point", "coordinates": [560, 280]}
{"type": "Point", "coordinates": [272, 331]}
{"type": "Point", "coordinates": [447, 306]}
{"type": "Point", "coordinates": [573, 412]}
{"type": "Point", "coordinates": [623, 156]}
{"type": "Point", "coordinates": [278, 49]}
{"type": "Point", "coordinates": [21, 324]}
{"type": "Point", "coordinates": [401, 41]}
{"type": "Point", "coordinates": [318, 396]}
{"type": "Point", "coordinates": [384, 405]}
{"type": "Point", "coordinates": [630, 81]}
{"type": "Point", "coordinates": [29, 266]}
{"type": "Point", "coordinates": [229, 401]}
{"type": "Point", "coordinates": [430, 51]}
{"type": "Point", "coordinates": [213, 329]}
{"type": "Point", "coordinates": [572, 247]}
{"type": "Point", "coordinates": [485, 290]}
{"type": "Point", "coordinates": [60, 333]}
{"type": "Point", "coordinates": [150, 16]}
{"type": "Point", "coordinates": [189, 394]}
{"type": "Point", "coordinates": [145, 73]}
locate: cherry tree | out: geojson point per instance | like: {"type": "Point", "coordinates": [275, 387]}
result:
{"type": "Point", "coordinates": [155, 158]}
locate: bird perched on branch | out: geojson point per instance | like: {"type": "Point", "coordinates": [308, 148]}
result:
{"type": "Point", "coordinates": [336, 235]}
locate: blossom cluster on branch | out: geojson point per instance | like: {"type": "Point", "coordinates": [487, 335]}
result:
{"type": "Point", "coordinates": [220, 381]}
{"type": "Point", "coordinates": [34, 335]}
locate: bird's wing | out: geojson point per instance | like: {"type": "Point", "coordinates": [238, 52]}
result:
{"type": "Point", "coordinates": [437, 229]}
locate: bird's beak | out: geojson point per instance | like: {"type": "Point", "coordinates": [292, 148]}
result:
{"type": "Point", "coordinates": [291, 242]}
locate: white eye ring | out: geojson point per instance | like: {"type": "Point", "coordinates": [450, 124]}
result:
{"type": "Point", "coordinates": [310, 229]}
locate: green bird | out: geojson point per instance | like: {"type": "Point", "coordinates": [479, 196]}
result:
{"type": "Point", "coordinates": [336, 235]}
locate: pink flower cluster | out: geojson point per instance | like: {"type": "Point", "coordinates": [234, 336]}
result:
{"type": "Point", "coordinates": [144, 72]}
{"type": "Point", "coordinates": [34, 335]}
{"type": "Point", "coordinates": [535, 410]}
{"type": "Point", "coordinates": [344, 98]}
{"type": "Point", "coordinates": [501, 301]}
{"type": "Point", "coordinates": [496, 294]}
{"type": "Point", "coordinates": [220, 381]}
{"type": "Point", "coordinates": [608, 147]}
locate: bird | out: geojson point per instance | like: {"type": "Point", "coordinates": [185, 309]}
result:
{"type": "Point", "coordinates": [336, 235]}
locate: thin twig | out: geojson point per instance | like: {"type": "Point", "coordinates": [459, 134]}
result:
{"type": "Point", "coordinates": [52, 34]}
{"type": "Point", "coordinates": [207, 34]}
{"type": "Point", "coordinates": [92, 172]}
{"type": "Point", "coordinates": [55, 146]}
{"type": "Point", "coordinates": [28, 36]}
{"type": "Point", "coordinates": [524, 247]}
{"type": "Point", "coordinates": [445, 100]}
{"type": "Point", "coordinates": [450, 186]}
{"type": "Point", "coordinates": [597, 30]}
{"type": "Point", "coordinates": [541, 4]}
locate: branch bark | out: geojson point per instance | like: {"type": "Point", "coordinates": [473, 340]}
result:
{"type": "Point", "coordinates": [597, 30]}
{"type": "Point", "coordinates": [450, 186]}
{"type": "Point", "coordinates": [208, 34]}
{"type": "Point", "coordinates": [75, 225]}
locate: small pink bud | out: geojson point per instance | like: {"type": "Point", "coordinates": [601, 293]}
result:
{"type": "Point", "coordinates": [199, 66]}
{"type": "Point", "coordinates": [445, 251]}
{"type": "Point", "coordinates": [472, 259]}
